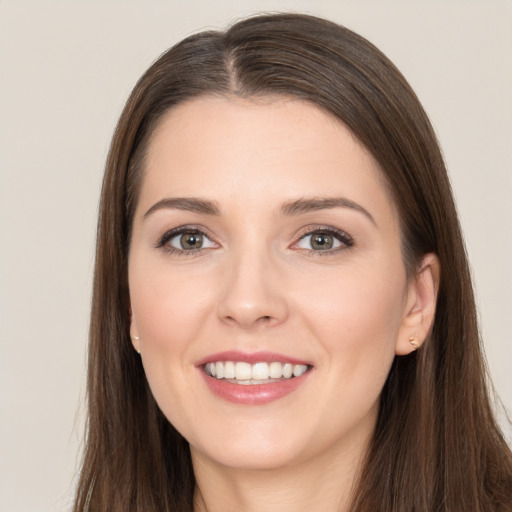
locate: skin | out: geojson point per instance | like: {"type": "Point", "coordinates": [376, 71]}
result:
{"type": "Point", "coordinates": [257, 284]}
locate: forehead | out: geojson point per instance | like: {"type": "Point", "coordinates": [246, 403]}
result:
{"type": "Point", "coordinates": [258, 150]}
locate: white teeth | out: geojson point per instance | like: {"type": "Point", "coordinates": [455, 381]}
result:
{"type": "Point", "coordinates": [260, 371]}
{"type": "Point", "coordinates": [243, 371]}
{"type": "Point", "coordinates": [299, 369]}
{"type": "Point", "coordinates": [229, 370]}
{"type": "Point", "coordinates": [254, 373]}
{"type": "Point", "coordinates": [287, 370]}
{"type": "Point", "coordinates": [275, 370]}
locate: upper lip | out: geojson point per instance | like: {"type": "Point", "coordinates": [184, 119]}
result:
{"type": "Point", "coordinates": [251, 357]}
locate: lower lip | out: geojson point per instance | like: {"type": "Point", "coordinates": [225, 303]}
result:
{"type": "Point", "coordinates": [253, 394]}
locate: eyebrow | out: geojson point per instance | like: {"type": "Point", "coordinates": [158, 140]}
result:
{"type": "Point", "coordinates": [303, 205]}
{"type": "Point", "coordinates": [291, 208]}
{"type": "Point", "coordinates": [189, 204]}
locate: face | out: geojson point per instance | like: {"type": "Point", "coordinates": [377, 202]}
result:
{"type": "Point", "coordinates": [265, 244]}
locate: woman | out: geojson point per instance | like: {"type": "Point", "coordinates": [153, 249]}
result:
{"type": "Point", "coordinates": [279, 244]}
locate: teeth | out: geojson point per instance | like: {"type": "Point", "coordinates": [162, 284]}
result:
{"type": "Point", "coordinates": [299, 369]}
{"type": "Point", "coordinates": [242, 371]}
{"type": "Point", "coordinates": [210, 369]}
{"type": "Point", "coordinates": [287, 370]}
{"type": "Point", "coordinates": [275, 370]}
{"type": "Point", "coordinates": [229, 370]}
{"type": "Point", "coordinates": [260, 371]}
{"type": "Point", "coordinates": [250, 373]}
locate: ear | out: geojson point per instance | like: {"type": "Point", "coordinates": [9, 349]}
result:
{"type": "Point", "coordinates": [420, 306]}
{"type": "Point", "coordinates": [134, 332]}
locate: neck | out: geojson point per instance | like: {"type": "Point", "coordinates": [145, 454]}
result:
{"type": "Point", "coordinates": [324, 484]}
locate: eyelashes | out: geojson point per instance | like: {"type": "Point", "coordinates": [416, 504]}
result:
{"type": "Point", "coordinates": [325, 239]}
{"type": "Point", "coordinates": [316, 240]}
{"type": "Point", "coordinates": [185, 240]}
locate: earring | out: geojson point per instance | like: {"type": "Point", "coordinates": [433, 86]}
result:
{"type": "Point", "coordinates": [414, 341]}
{"type": "Point", "coordinates": [136, 338]}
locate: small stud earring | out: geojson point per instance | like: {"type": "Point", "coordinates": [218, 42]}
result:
{"type": "Point", "coordinates": [136, 338]}
{"type": "Point", "coordinates": [414, 341]}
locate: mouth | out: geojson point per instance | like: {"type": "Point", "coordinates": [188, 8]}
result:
{"type": "Point", "coordinates": [253, 379]}
{"type": "Point", "coordinates": [244, 373]}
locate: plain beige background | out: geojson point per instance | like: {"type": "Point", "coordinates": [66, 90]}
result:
{"type": "Point", "coordinates": [66, 69]}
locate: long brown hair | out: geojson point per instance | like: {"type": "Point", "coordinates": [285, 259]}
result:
{"type": "Point", "coordinates": [436, 445]}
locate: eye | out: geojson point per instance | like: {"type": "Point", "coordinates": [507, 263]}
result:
{"type": "Point", "coordinates": [324, 240]}
{"type": "Point", "coordinates": [185, 240]}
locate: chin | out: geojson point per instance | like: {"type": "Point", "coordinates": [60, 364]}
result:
{"type": "Point", "coordinates": [248, 456]}
{"type": "Point", "coordinates": [246, 444]}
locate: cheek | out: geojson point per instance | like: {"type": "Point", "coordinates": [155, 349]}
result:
{"type": "Point", "coordinates": [356, 317]}
{"type": "Point", "coordinates": [167, 306]}
{"type": "Point", "coordinates": [167, 309]}
{"type": "Point", "coordinates": [356, 324]}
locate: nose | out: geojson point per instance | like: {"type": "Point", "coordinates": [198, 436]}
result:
{"type": "Point", "coordinates": [252, 292]}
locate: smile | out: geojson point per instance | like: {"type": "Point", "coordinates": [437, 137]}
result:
{"type": "Point", "coordinates": [244, 373]}
{"type": "Point", "coordinates": [253, 378]}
